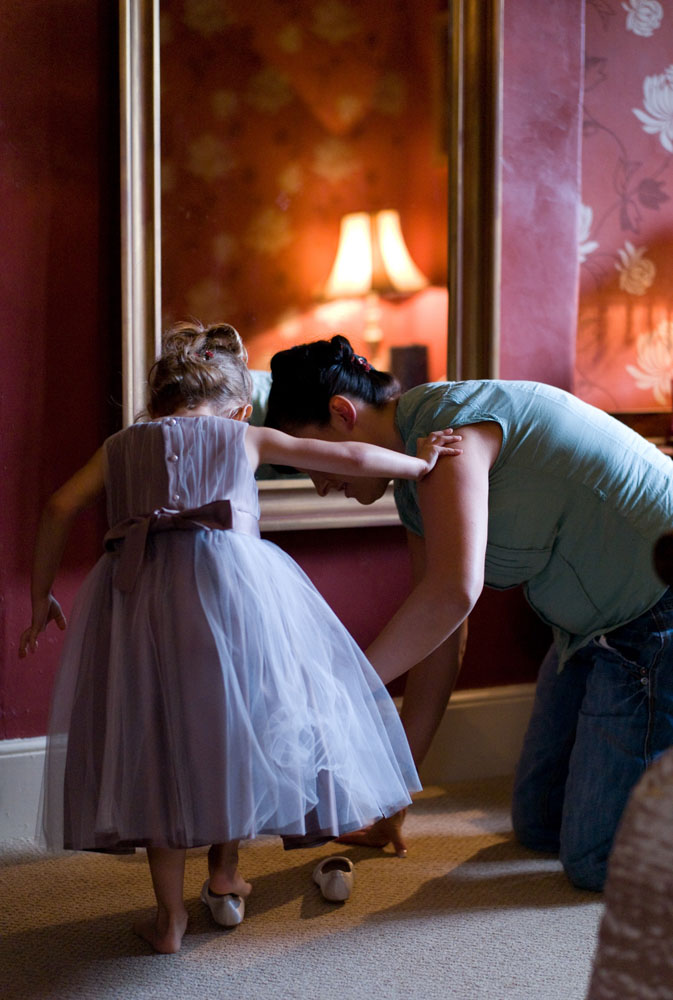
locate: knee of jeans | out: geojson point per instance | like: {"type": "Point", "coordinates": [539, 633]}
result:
{"type": "Point", "coordinates": [533, 835]}
{"type": "Point", "coordinates": [586, 873]}
{"type": "Point", "coordinates": [520, 825]}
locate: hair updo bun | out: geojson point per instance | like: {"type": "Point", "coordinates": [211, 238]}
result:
{"type": "Point", "coordinates": [304, 379]}
{"type": "Point", "coordinates": [199, 365]}
{"type": "Point", "coordinates": [191, 340]}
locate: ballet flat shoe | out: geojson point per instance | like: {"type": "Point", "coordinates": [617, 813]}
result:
{"type": "Point", "coordinates": [228, 911]}
{"type": "Point", "coordinates": [334, 877]}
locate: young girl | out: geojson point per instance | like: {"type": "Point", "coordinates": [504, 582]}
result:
{"type": "Point", "coordinates": [207, 693]}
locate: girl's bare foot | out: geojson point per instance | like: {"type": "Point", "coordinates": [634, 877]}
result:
{"type": "Point", "coordinates": [380, 834]}
{"type": "Point", "coordinates": [163, 932]}
{"type": "Point", "coordinates": [220, 885]}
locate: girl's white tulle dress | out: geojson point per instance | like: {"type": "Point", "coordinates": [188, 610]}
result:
{"type": "Point", "coordinates": [207, 692]}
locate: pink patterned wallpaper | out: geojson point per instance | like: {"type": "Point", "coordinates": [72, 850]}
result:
{"type": "Point", "coordinates": [277, 119]}
{"type": "Point", "coordinates": [625, 329]}
{"type": "Point", "coordinates": [541, 150]}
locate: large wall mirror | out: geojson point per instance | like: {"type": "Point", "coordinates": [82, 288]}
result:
{"type": "Point", "coordinates": [250, 131]}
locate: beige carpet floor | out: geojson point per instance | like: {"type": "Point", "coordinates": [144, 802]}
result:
{"type": "Point", "coordinates": [468, 914]}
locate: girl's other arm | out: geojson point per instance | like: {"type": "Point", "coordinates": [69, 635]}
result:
{"type": "Point", "coordinates": [351, 458]}
{"type": "Point", "coordinates": [52, 533]}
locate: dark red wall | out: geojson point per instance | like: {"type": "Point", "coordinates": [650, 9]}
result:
{"type": "Point", "coordinates": [59, 289]}
{"type": "Point", "coordinates": [59, 298]}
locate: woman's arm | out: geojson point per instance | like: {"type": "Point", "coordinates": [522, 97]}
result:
{"type": "Point", "coordinates": [350, 458]}
{"type": "Point", "coordinates": [454, 507]}
{"type": "Point", "coordinates": [430, 683]}
{"type": "Point", "coordinates": [57, 517]}
{"type": "Point", "coordinates": [427, 691]}
{"type": "Point", "coordinates": [427, 634]}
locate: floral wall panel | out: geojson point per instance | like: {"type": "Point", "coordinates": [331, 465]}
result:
{"type": "Point", "coordinates": [277, 119]}
{"type": "Point", "coordinates": [541, 152]}
{"type": "Point", "coordinates": [625, 330]}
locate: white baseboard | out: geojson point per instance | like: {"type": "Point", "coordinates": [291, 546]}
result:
{"type": "Point", "coordinates": [21, 766]}
{"type": "Point", "coordinates": [479, 737]}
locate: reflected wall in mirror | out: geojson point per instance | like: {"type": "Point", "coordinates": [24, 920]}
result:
{"type": "Point", "coordinates": [277, 120]}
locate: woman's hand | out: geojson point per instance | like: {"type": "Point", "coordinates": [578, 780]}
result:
{"type": "Point", "coordinates": [45, 610]}
{"type": "Point", "coordinates": [380, 834]}
{"type": "Point", "coordinates": [436, 444]}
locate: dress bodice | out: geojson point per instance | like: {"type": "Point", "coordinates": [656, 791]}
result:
{"type": "Point", "coordinates": [179, 463]}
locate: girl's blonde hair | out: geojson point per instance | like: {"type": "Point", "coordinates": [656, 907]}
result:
{"type": "Point", "coordinates": [199, 364]}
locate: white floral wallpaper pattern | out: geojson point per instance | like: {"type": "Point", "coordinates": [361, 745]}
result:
{"type": "Point", "coordinates": [625, 328]}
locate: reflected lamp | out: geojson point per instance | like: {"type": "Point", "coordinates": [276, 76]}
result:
{"type": "Point", "coordinates": [372, 261]}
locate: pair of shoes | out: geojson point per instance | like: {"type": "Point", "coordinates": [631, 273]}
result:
{"type": "Point", "coordinates": [227, 910]}
{"type": "Point", "coordinates": [334, 877]}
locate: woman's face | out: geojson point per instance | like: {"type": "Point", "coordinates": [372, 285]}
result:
{"type": "Point", "coordinates": [364, 489]}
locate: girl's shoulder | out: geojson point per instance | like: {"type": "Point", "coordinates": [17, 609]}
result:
{"type": "Point", "coordinates": [140, 429]}
{"type": "Point", "coordinates": [202, 425]}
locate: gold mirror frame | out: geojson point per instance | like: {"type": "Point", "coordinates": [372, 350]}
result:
{"type": "Point", "coordinates": [475, 139]}
{"type": "Point", "coordinates": [474, 98]}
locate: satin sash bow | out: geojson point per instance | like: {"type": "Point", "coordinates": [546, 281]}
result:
{"type": "Point", "coordinates": [133, 532]}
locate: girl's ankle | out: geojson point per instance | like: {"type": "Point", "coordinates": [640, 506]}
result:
{"type": "Point", "coordinates": [222, 882]}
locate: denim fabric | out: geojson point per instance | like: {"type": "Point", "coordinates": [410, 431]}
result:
{"type": "Point", "coordinates": [594, 728]}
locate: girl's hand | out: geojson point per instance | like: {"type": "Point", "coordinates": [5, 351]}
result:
{"type": "Point", "coordinates": [46, 610]}
{"type": "Point", "coordinates": [436, 444]}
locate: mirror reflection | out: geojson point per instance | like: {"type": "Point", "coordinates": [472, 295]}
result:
{"type": "Point", "coordinates": [277, 121]}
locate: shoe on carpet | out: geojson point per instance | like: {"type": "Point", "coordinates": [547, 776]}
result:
{"type": "Point", "coordinates": [227, 910]}
{"type": "Point", "coordinates": [334, 877]}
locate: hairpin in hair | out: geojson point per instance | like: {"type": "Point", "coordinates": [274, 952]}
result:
{"type": "Point", "coordinates": [208, 355]}
{"type": "Point", "coordinates": [362, 362]}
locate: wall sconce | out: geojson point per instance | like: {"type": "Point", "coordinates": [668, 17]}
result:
{"type": "Point", "coordinates": [372, 260]}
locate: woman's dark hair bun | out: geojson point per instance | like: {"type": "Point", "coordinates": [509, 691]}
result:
{"type": "Point", "coordinates": [315, 356]}
{"type": "Point", "coordinates": [342, 349]}
{"type": "Point", "coordinates": [304, 379]}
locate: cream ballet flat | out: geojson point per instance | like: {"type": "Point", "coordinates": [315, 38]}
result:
{"type": "Point", "coordinates": [228, 911]}
{"type": "Point", "coordinates": [334, 877]}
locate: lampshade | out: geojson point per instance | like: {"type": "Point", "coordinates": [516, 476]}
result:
{"type": "Point", "coordinates": [372, 257]}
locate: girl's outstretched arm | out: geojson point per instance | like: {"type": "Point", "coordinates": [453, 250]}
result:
{"type": "Point", "coordinates": [350, 458]}
{"type": "Point", "coordinates": [52, 533]}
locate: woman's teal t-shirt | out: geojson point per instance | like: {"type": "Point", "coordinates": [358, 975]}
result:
{"type": "Point", "coordinates": [577, 501]}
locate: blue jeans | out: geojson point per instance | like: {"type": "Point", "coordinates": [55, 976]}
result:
{"type": "Point", "coordinates": [594, 729]}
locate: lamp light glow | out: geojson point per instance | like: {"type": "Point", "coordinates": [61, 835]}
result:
{"type": "Point", "coordinates": [351, 273]}
{"type": "Point", "coordinates": [372, 259]}
{"type": "Point", "coordinates": [400, 269]}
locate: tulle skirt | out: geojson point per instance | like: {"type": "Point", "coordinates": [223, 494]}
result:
{"type": "Point", "coordinates": [220, 699]}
